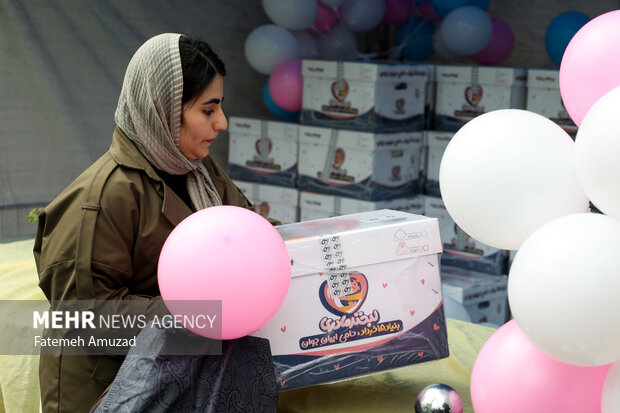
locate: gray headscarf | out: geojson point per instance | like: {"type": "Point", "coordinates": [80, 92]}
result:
{"type": "Point", "coordinates": [149, 113]}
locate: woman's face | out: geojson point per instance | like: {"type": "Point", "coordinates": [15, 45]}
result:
{"type": "Point", "coordinates": [202, 120]}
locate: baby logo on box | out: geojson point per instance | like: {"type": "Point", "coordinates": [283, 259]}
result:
{"type": "Point", "coordinates": [262, 160]}
{"type": "Point", "coordinates": [473, 97]}
{"type": "Point", "coordinates": [343, 295]}
{"type": "Point", "coordinates": [336, 171]}
{"type": "Point", "coordinates": [340, 90]}
{"type": "Point", "coordinates": [395, 173]}
{"type": "Point", "coordinates": [400, 106]}
{"type": "Point", "coordinates": [262, 209]}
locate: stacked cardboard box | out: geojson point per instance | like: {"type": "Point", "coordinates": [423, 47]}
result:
{"type": "Point", "coordinates": [263, 161]}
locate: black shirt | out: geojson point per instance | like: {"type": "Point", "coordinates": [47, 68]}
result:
{"type": "Point", "coordinates": [178, 183]}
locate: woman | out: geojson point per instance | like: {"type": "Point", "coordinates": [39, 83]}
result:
{"type": "Point", "coordinates": [101, 237]}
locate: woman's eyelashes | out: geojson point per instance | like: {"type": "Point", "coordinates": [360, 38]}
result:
{"type": "Point", "coordinates": [208, 112]}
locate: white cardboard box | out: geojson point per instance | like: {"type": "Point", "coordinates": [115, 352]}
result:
{"type": "Point", "coordinates": [272, 201]}
{"type": "Point", "coordinates": [317, 206]}
{"type": "Point", "coordinates": [464, 92]}
{"type": "Point", "coordinates": [363, 165]}
{"type": "Point", "coordinates": [544, 98]}
{"type": "Point", "coordinates": [367, 96]}
{"type": "Point", "coordinates": [365, 296]}
{"type": "Point", "coordinates": [461, 250]}
{"type": "Point", "coordinates": [484, 296]}
{"type": "Point", "coordinates": [263, 151]}
{"type": "Point", "coordinates": [436, 143]}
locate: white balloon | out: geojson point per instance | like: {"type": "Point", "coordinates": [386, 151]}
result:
{"type": "Point", "coordinates": [454, 309]}
{"type": "Point", "coordinates": [333, 3]}
{"type": "Point", "coordinates": [610, 402]}
{"type": "Point", "coordinates": [597, 153]}
{"type": "Point", "coordinates": [362, 15]}
{"type": "Point", "coordinates": [466, 30]}
{"type": "Point", "coordinates": [292, 14]}
{"type": "Point", "coordinates": [308, 45]}
{"type": "Point", "coordinates": [338, 44]}
{"type": "Point", "coordinates": [506, 173]}
{"type": "Point", "coordinates": [269, 45]}
{"type": "Point", "coordinates": [442, 50]}
{"type": "Point", "coordinates": [564, 289]}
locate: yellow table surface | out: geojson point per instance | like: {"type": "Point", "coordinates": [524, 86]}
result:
{"type": "Point", "coordinates": [19, 375]}
{"type": "Point", "coordinates": [392, 391]}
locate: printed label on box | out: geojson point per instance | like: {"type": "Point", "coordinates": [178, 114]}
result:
{"type": "Point", "coordinates": [364, 96]}
{"type": "Point", "coordinates": [359, 164]}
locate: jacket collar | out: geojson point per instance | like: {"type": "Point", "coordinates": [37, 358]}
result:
{"type": "Point", "coordinates": [126, 153]}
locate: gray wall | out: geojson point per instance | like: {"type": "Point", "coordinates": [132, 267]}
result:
{"type": "Point", "coordinates": [529, 20]}
{"type": "Point", "coordinates": [62, 64]}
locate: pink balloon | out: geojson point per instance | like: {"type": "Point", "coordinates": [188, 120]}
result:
{"type": "Point", "coordinates": [286, 85]}
{"type": "Point", "coordinates": [397, 11]}
{"type": "Point", "coordinates": [325, 18]}
{"type": "Point", "coordinates": [500, 46]}
{"type": "Point", "coordinates": [230, 254]}
{"type": "Point", "coordinates": [590, 64]}
{"type": "Point", "coordinates": [511, 375]}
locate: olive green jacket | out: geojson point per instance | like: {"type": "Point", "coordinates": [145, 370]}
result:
{"type": "Point", "coordinates": [100, 239]}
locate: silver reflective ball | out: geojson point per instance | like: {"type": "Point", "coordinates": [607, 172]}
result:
{"type": "Point", "coordinates": [438, 398]}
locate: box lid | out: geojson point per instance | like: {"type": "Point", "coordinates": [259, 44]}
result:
{"type": "Point", "coordinates": [256, 192]}
{"type": "Point", "coordinates": [333, 205]}
{"type": "Point", "coordinates": [468, 287]}
{"type": "Point", "coordinates": [262, 128]}
{"type": "Point", "coordinates": [351, 139]}
{"type": "Point", "coordinates": [508, 76]}
{"type": "Point", "coordinates": [543, 78]}
{"type": "Point", "coordinates": [338, 205]}
{"type": "Point", "coordinates": [347, 241]}
{"type": "Point", "coordinates": [371, 72]}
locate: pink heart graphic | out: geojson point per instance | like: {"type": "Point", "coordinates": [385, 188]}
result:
{"type": "Point", "coordinates": [422, 281]}
{"type": "Point", "coordinates": [412, 312]}
{"type": "Point", "coordinates": [337, 366]}
{"type": "Point", "coordinates": [283, 329]}
{"type": "Point", "coordinates": [380, 358]}
{"type": "Point", "coordinates": [435, 327]}
{"type": "Point", "coordinates": [384, 285]}
{"type": "Point", "coordinates": [282, 382]}
{"type": "Point", "coordinates": [420, 353]}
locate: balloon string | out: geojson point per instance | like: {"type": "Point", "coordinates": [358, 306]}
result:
{"type": "Point", "coordinates": [393, 52]}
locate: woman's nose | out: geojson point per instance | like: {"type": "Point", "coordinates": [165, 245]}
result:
{"type": "Point", "coordinates": [222, 123]}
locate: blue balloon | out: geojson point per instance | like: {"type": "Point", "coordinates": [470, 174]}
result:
{"type": "Point", "coordinates": [417, 37]}
{"type": "Point", "coordinates": [274, 109]}
{"type": "Point", "coordinates": [481, 4]}
{"type": "Point", "coordinates": [560, 32]}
